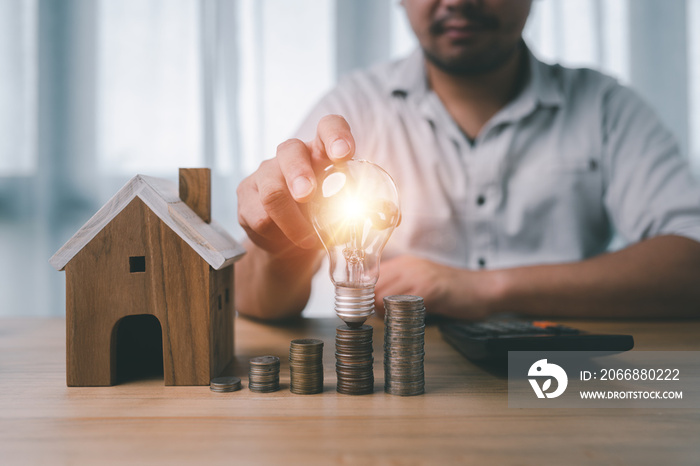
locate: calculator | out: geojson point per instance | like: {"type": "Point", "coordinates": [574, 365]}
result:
{"type": "Point", "coordinates": [490, 341]}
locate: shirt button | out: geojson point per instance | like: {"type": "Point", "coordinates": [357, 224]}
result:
{"type": "Point", "coordinates": [480, 200]}
{"type": "Point", "coordinates": [482, 262]}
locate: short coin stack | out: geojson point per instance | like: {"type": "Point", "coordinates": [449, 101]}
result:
{"type": "Point", "coordinates": [264, 374]}
{"type": "Point", "coordinates": [354, 361]}
{"type": "Point", "coordinates": [306, 366]}
{"type": "Point", "coordinates": [404, 335]}
{"type": "Point", "coordinates": [225, 384]}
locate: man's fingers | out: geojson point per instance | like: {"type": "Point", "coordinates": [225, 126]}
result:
{"type": "Point", "coordinates": [334, 139]}
{"type": "Point", "coordinates": [257, 223]}
{"type": "Point", "coordinates": [390, 282]}
{"type": "Point", "coordinates": [283, 210]}
{"type": "Point", "coordinates": [295, 163]}
{"type": "Point", "coordinates": [388, 290]}
{"type": "Point", "coordinates": [269, 200]}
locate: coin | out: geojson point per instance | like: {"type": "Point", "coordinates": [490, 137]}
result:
{"type": "Point", "coordinates": [306, 343]}
{"type": "Point", "coordinates": [265, 360]}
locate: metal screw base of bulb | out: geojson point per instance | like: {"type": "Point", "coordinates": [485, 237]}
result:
{"type": "Point", "coordinates": [354, 305]}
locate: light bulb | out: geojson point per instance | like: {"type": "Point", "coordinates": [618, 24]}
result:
{"type": "Point", "coordinates": [354, 212]}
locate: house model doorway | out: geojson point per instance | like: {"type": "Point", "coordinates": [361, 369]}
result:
{"type": "Point", "coordinates": [137, 343]}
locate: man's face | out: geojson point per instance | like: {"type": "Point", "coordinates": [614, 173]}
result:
{"type": "Point", "coordinates": [468, 37]}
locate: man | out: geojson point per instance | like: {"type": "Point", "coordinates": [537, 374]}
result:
{"type": "Point", "coordinates": [513, 176]}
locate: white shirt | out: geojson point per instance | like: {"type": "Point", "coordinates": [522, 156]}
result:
{"type": "Point", "coordinates": [550, 178]}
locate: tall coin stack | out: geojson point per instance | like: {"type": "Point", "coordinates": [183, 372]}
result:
{"type": "Point", "coordinates": [306, 366]}
{"type": "Point", "coordinates": [264, 374]}
{"type": "Point", "coordinates": [354, 361]}
{"type": "Point", "coordinates": [404, 335]}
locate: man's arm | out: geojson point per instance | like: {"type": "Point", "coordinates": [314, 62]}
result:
{"type": "Point", "coordinates": [657, 277]}
{"type": "Point", "coordinates": [271, 287]}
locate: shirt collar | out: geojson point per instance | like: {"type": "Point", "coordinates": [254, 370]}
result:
{"type": "Point", "coordinates": [544, 84]}
{"type": "Point", "coordinates": [409, 78]}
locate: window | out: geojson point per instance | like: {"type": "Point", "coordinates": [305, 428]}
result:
{"type": "Point", "coordinates": [137, 264]}
{"type": "Point", "coordinates": [582, 33]}
{"type": "Point", "coordinates": [148, 86]}
{"type": "Point", "coordinates": [287, 62]}
{"type": "Point", "coordinates": [93, 92]}
{"type": "Point", "coordinates": [694, 80]}
{"type": "Point", "coordinates": [18, 87]}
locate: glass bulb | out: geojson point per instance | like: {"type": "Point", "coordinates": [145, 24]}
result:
{"type": "Point", "coordinates": [354, 212]}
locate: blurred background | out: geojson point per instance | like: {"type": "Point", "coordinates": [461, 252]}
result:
{"type": "Point", "coordinates": [95, 91]}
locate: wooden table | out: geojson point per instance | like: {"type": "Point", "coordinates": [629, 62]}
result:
{"type": "Point", "coordinates": [463, 418]}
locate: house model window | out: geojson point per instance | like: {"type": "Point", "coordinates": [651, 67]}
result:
{"type": "Point", "coordinates": [137, 264]}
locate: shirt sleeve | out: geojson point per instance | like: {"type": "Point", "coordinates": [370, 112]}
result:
{"type": "Point", "coordinates": [650, 188]}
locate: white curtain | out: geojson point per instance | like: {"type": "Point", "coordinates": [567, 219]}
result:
{"type": "Point", "coordinates": [94, 91]}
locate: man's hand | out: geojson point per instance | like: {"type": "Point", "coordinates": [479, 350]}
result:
{"type": "Point", "coordinates": [273, 280]}
{"type": "Point", "coordinates": [447, 291]}
{"type": "Point", "coordinates": [656, 277]}
{"type": "Point", "coordinates": [269, 200]}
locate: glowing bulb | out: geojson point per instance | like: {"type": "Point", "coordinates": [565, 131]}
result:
{"type": "Point", "coordinates": [354, 208]}
{"type": "Point", "coordinates": [354, 214]}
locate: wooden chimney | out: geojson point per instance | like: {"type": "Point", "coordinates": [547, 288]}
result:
{"type": "Point", "coordinates": [195, 191]}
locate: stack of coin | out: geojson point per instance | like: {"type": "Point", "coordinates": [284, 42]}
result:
{"type": "Point", "coordinates": [306, 366]}
{"type": "Point", "coordinates": [225, 384]}
{"type": "Point", "coordinates": [264, 374]}
{"type": "Point", "coordinates": [354, 361]}
{"type": "Point", "coordinates": [404, 335]}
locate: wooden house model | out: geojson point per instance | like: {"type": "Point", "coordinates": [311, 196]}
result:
{"type": "Point", "coordinates": [152, 251]}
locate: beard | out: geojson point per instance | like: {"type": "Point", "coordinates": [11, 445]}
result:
{"type": "Point", "coordinates": [469, 64]}
{"type": "Point", "coordinates": [470, 57]}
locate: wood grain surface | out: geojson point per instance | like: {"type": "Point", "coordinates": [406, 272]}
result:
{"type": "Point", "coordinates": [462, 419]}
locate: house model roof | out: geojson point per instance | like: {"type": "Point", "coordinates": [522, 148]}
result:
{"type": "Point", "coordinates": [209, 240]}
